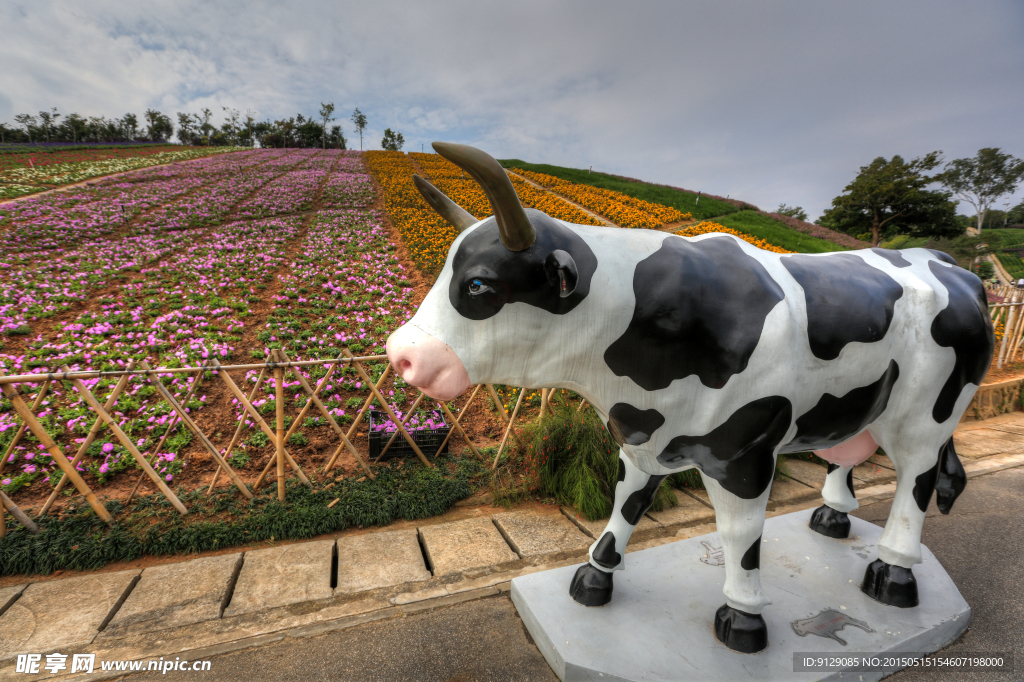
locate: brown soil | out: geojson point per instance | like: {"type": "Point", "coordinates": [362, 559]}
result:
{"type": "Point", "coordinates": [1009, 371]}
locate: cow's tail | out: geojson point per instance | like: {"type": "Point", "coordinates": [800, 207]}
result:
{"type": "Point", "coordinates": [952, 477]}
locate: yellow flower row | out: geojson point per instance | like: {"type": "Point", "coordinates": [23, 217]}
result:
{"type": "Point", "coordinates": [707, 226]}
{"type": "Point", "coordinates": [620, 208]}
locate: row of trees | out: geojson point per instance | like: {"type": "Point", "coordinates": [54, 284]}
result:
{"type": "Point", "coordinates": [193, 129]}
{"type": "Point", "coordinates": [894, 196]}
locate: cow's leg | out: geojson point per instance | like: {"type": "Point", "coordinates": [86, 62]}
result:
{"type": "Point", "coordinates": [832, 518]}
{"type": "Point", "coordinates": [738, 623]}
{"type": "Point", "coordinates": [889, 578]}
{"type": "Point", "coordinates": [634, 494]}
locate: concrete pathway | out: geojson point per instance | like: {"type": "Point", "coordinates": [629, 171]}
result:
{"type": "Point", "coordinates": [210, 606]}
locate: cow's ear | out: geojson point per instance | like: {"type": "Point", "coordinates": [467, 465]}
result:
{"type": "Point", "coordinates": [561, 271]}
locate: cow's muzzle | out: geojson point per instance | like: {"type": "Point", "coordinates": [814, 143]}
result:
{"type": "Point", "coordinates": [427, 363]}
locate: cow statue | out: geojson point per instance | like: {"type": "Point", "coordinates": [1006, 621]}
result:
{"type": "Point", "coordinates": [710, 353]}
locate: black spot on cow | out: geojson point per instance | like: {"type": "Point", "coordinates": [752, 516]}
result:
{"type": "Point", "coordinates": [832, 466]}
{"type": "Point", "coordinates": [963, 325]}
{"type": "Point", "coordinates": [951, 480]}
{"type": "Point", "coordinates": [942, 256]}
{"type": "Point", "coordinates": [894, 257]}
{"type": "Point", "coordinates": [700, 309]}
{"type": "Point", "coordinates": [632, 426]}
{"type": "Point", "coordinates": [752, 557]}
{"type": "Point", "coordinates": [622, 471]}
{"type": "Point", "coordinates": [847, 300]}
{"type": "Point", "coordinates": [487, 275]}
{"type": "Point", "coordinates": [639, 501]}
{"type": "Point", "coordinates": [849, 482]}
{"type": "Point", "coordinates": [833, 420]}
{"type": "Point", "coordinates": [924, 486]}
{"type": "Point", "coordinates": [739, 454]}
{"type": "Point", "coordinates": [604, 553]}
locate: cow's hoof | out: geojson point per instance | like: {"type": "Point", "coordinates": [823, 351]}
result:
{"type": "Point", "coordinates": [830, 523]}
{"type": "Point", "coordinates": [591, 586]}
{"type": "Point", "coordinates": [741, 631]}
{"type": "Point", "coordinates": [892, 585]}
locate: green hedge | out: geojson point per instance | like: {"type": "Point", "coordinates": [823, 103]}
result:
{"type": "Point", "coordinates": [78, 540]}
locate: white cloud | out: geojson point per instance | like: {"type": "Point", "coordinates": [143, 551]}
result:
{"type": "Point", "coordinates": [771, 102]}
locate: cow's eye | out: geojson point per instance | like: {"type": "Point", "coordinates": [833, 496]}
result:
{"type": "Point", "coordinates": [477, 287]}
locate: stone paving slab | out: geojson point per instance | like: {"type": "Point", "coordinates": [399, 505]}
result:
{"type": "Point", "coordinates": [881, 460]}
{"type": "Point", "coordinates": [62, 613]}
{"type": "Point", "coordinates": [532, 534]}
{"type": "Point", "coordinates": [595, 528]}
{"type": "Point", "coordinates": [462, 545]}
{"type": "Point", "coordinates": [688, 511]}
{"type": "Point", "coordinates": [178, 594]}
{"type": "Point", "coordinates": [869, 474]}
{"type": "Point", "coordinates": [8, 595]}
{"type": "Point", "coordinates": [986, 442]}
{"type": "Point", "coordinates": [789, 491]}
{"type": "Point", "coordinates": [699, 494]}
{"type": "Point", "coordinates": [806, 472]}
{"type": "Point", "coordinates": [373, 560]}
{"type": "Point", "coordinates": [279, 576]}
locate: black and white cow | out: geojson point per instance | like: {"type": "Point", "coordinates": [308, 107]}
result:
{"type": "Point", "coordinates": [707, 352]}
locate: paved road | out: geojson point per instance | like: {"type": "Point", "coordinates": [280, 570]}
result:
{"type": "Point", "coordinates": [981, 544]}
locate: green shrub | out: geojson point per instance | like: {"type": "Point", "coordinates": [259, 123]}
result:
{"type": "Point", "coordinates": [574, 460]}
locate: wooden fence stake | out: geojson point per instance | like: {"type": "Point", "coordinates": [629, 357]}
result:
{"type": "Point", "coordinates": [543, 402]}
{"type": "Point", "coordinates": [314, 399]}
{"type": "Point", "coordinates": [173, 423]}
{"type": "Point", "coordinates": [391, 414]}
{"type": "Point", "coordinates": [238, 430]}
{"type": "Point", "coordinates": [21, 429]}
{"type": "Point", "coordinates": [194, 428]}
{"type": "Point", "coordinates": [89, 438]}
{"type": "Point", "coordinates": [54, 450]}
{"type": "Point", "coordinates": [405, 420]}
{"type": "Point", "coordinates": [456, 425]}
{"type": "Point", "coordinates": [126, 441]}
{"type": "Point", "coordinates": [23, 519]}
{"type": "Point", "coordinates": [258, 418]}
{"type": "Point", "coordinates": [279, 390]}
{"type": "Point", "coordinates": [498, 403]}
{"type": "Point", "coordinates": [519, 401]}
{"type": "Point", "coordinates": [368, 402]}
{"type": "Point", "coordinates": [461, 414]}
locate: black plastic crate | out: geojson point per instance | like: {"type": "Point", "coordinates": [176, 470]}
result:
{"type": "Point", "coordinates": [426, 439]}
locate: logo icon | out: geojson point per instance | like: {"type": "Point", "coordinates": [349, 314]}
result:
{"type": "Point", "coordinates": [827, 624]}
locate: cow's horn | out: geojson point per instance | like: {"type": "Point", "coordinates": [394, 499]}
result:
{"type": "Point", "coordinates": [455, 215]}
{"type": "Point", "coordinates": [514, 227]}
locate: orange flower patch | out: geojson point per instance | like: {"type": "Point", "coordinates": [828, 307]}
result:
{"type": "Point", "coordinates": [707, 227]}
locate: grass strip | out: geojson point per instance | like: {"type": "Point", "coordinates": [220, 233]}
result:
{"type": "Point", "coordinates": [774, 232]}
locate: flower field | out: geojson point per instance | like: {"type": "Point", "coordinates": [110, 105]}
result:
{"type": "Point", "coordinates": [224, 257]}
{"type": "Point", "coordinates": [707, 226]}
{"type": "Point", "coordinates": [26, 173]}
{"type": "Point", "coordinates": [622, 209]}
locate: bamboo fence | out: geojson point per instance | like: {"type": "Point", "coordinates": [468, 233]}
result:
{"type": "Point", "coordinates": [1008, 316]}
{"type": "Point", "coordinates": [279, 462]}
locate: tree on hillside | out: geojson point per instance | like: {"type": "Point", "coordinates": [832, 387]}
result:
{"type": "Point", "coordinates": [76, 124]}
{"type": "Point", "coordinates": [231, 124]}
{"type": "Point", "coordinates": [891, 197]}
{"type": "Point", "coordinates": [48, 120]}
{"type": "Point", "coordinates": [185, 129]}
{"type": "Point", "coordinates": [159, 127]}
{"type": "Point", "coordinates": [203, 124]}
{"type": "Point", "coordinates": [981, 181]}
{"type": "Point", "coordinates": [325, 115]}
{"type": "Point", "coordinates": [392, 141]}
{"type": "Point", "coordinates": [28, 121]}
{"type": "Point", "coordinates": [792, 211]}
{"type": "Point", "coordinates": [130, 126]}
{"type": "Point", "coordinates": [359, 119]}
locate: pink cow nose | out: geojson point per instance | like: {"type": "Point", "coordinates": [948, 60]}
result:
{"type": "Point", "coordinates": [427, 363]}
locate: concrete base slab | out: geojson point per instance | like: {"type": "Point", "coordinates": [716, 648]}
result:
{"type": "Point", "coordinates": [462, 545]}
{"type": "Point", "coordinates": [178, 594]}
{"type": "Point", "coordinates": [985, 442]}
{"type": "Point", "coordinates": [595, 528]}
{"type": "Point", "coordinates": [688, 511]}
{"type": "Point", "coordinates": [532, 534]}
{"type": "Point", "coordinates": [279, 576]}
{"type": "Point", "coordinates": [62, 614]}
{"type": "Point", "coordinates": [372, 560]}
{"type": "Point", "coordinates": [660, 622]}
{"type": "Point", "coordinates": [881, 460]}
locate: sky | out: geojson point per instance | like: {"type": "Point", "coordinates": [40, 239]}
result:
{"type": "Point", "coordinates": [770, 102]}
